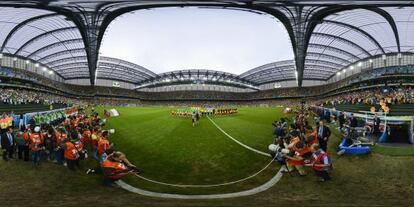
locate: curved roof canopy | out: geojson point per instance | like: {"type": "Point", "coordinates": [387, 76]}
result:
{"type": "Point", "coordinates": [326, 36]}
{"type": "Point", "coordinates": [196, 76]}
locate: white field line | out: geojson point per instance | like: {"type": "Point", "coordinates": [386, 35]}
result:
{"type": "Point", "coordinates": [237, 141]}
{"type": "Point", "coordinates": [207, 185]}
{"type": "Point", "coordinates": [249, 192]}
{"type": "Point", "coordinates": [252, 191]}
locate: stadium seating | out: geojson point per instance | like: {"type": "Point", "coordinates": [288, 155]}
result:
{"type": "Point", "coordinates": [395, 110]}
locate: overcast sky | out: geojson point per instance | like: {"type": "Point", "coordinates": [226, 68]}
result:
{"type": "Point", "coordinates": [170, 39]}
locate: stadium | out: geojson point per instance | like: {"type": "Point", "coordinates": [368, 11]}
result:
{"type": "Point", "coordinates": [206, 103]}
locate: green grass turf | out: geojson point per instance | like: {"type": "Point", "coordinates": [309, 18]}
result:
{"type": "Point", "coordinates": [169, 149]}
{"type": "Point", "coordinates": [252, 126]}
{"type": "Point", "coordinates": [393, 151]}
{"type": "Point", "coordinates": [371, 180]}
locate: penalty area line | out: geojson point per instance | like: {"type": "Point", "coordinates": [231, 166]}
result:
{"type": "Point", "coordinates": [237, 141]}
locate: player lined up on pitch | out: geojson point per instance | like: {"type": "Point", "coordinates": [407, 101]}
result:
{"type": "Point", "coordinates": [68, 143]}
{"type": "Point", "coordinates": [301, 145]}
{"type": "Point", "coordinates": [203, 111]}
{"type": "Point", "coordinates": [195, 113]}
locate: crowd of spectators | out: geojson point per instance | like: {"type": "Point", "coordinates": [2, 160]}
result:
{"type": "Point", "coordinates": [389, 95]}
{"type": "Point", "coordinates": [373, 96]}
{"type": "Point", "coordinates": [22, 96]}
{"type": "Point", "coordinates": [16, 96]}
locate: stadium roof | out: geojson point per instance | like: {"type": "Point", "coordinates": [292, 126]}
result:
{"type": "Point", "coordinates": [197, 76]}
{"type": "Point", "coordinates": [326, 36]}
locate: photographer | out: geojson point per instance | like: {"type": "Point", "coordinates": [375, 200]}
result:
{"type": "Point", "coordinates": [22, 146]}
{"type": "Point", "coordinates": [115, 166]}
{"type": "Point", "coordinates": [60, 137]}
{"type": "Point", "coordinates": [278, 149]}
{"type": "Point", "coordinates": [283, 125]}
{"type": "Point", "coordinates": [49, 138]}
{"type": "Point", "coordinates": [277, 131]}
{"type": "Point", "coordinates": [71, 153]}
{"type": "Point", "coordinates": [36, 145]}
{"type": "Point", "coordinates": [293, 131]}
{"type": "Point", "coordinates": [311, 137]}
{"type": "Point", "coordinates": [321, 163]}
{"type": "Point", "coordinates": [295, 160]}
{"type": "Point", "coordinates": [103, 144]}
{"type": "Point", "coordinates": [295, 139]}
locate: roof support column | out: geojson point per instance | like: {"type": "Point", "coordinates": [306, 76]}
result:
{"type": "Point", "coordinates": [299, 28]}
{"type": "Point", "coordinates": [300, 55]}
{"type": "Point", "coordinates": [294, 18]}
{"type": "Point", "coordinates": [92, 44]}
{"type": "Point", "coordinates": [89, 24]}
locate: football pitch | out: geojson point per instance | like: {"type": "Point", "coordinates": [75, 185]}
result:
{"type": "Point", "coordinates": [169, 149]}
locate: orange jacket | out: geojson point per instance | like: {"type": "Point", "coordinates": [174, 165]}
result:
{"type": "Point", "coordinates": [297, 162]}
{"type": "Point", "coordinates": [71, 153]}
{"type": "Point", "coordinates": [95, 140]}
{"type": "Point", "coordinates": [86, 137]}
{"type": "Point", "coordinates": [35, 141]}
{"type": "Point", "coordinates": [26, 137]}
{"type": "Point", "coordinates": [79, 145]}
{"type": "Point", "coordinates": [103, 145]}
{"type": "Point", "coordinates": [293, 142]}
{"type": "Point", "coordinates": [60, 137]}
{"type": "Point", "coordinates": [116, 168]}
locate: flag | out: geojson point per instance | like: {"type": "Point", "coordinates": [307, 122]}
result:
{"type": "Point", "coordinates": [114, 112]}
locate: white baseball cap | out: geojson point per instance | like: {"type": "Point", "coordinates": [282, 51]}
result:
{"type": "Point", "coordinates": [37, 129]}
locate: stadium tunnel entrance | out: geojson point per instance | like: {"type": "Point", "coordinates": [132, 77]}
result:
{"type": "Point", "coordinates": [398, 133]}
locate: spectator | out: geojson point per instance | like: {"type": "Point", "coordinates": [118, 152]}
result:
{"type": "Point", "coordinates": [7, 144]}
{"type": "Point", "coordinates": [323, 136]}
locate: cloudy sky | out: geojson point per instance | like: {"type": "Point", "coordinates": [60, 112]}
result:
{"type": "Point", "coordinates": [170, 39]}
